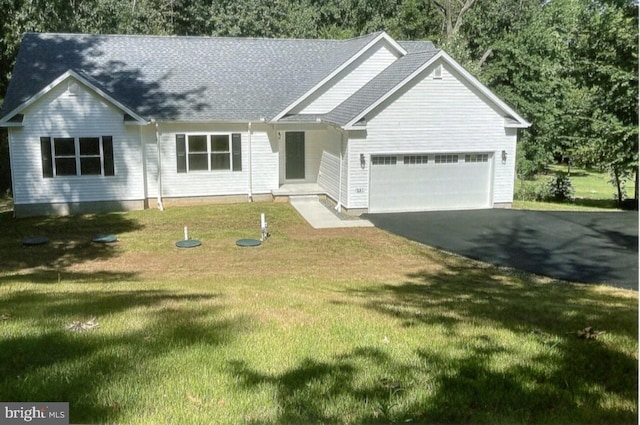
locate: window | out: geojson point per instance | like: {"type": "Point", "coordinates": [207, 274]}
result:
{"type": "Point", "coordinates": [416, 159]}
{"type": "Point", "coordinates": [64, 157]}
{"type": "Point", "coordinates": [77, 156]}
{"type": "Point", "coordinates": [198, 153]}
{"type": "Point", "coordinates": [446, 159]}
{"type": "Point", "coordinates": [208, 152]}
{"type": "Point", "coordinates": [477, 157]}
{"type": "Point", "coordinates": [383, 160]}
{"type": "Point", "coordinates": [90, 159]}
{"type": "Point", "coordinates": [220, 152]}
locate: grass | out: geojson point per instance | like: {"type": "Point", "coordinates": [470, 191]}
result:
{"type": "Point", "coordinates": [315, 326]}
{"type": "Point", "coordinates": [593, 190]}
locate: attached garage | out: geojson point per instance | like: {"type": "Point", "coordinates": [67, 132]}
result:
{"type": "Point", "coordinates": [418, 182]}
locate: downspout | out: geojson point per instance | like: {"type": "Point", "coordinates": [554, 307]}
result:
{"type": "Point", "coordinates": [250, 165]}
{"type": "Point", "coordinates": [160, 206]}
{"type": "Point", "coordinates": [11, 162]}
{"type": "Point", "coordinates": [339, 204]}
{"type": "Point", "coordinates": [143, 155]}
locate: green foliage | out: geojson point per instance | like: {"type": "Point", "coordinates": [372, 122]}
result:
{"type": "Point", "coordinates": [568, 66]}
{"type": "Point", "coordinates": [560, 189]}
{"type": "Point", "coordinates": [531, 190]}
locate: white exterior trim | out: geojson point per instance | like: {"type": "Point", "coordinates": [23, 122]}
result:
{"type": "Point", "coordinates": [4, 122]}
{"type": "Point", "coordinates": [521, 122]}
{"type": "Point", "coordinates": [382, 36]}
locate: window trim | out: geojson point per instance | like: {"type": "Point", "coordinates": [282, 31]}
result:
{"type": "Point", "coordinates": [384, 159]}
{"type": "Point", "coordinates": [233, 153]}
{"type": "Point", "coordinates": [50, 157]}
{"type": "Point", "coordinates": [415, 159]}
{"type": "Point", "coordinates": [446, 158]}
{"type": "Point", "coordinates": [474, 158]}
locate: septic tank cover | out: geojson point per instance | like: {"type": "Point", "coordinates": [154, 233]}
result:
{"type": "Point", "coordinates": [248, 242]}
{"type": "Point", "coordinates": [188, 243]}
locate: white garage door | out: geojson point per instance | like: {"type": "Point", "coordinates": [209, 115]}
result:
{"type": "Point", "coordinates": [430, 182]}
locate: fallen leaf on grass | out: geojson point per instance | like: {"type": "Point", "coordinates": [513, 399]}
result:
{"type": "Point", "coordinates": [79, 326]}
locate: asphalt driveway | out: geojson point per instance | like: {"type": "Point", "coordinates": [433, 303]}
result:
{"type": "Point", "coordinates": [588, 247]}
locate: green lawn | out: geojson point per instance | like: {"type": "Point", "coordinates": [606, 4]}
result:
{"type": "Point", "coordinates": [315, 326]}
{"type": "Point", "coordinates": [593, 190]}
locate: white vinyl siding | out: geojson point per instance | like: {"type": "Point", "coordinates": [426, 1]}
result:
{"type": "Point", "coordinates": [329, 172]}
{"type": "Point", "coordinates": [440, 116]}
{"type": "Point", "coordinates": [349, 80]}
{"type": "Point", "coordinates": [83, 114]}
{"type": "Point", "coordinates": [264, 163]}
{"type": "Point", "coordinates": [319, 142]}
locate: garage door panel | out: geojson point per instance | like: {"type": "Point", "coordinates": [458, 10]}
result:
{"type": "Point", "coordinates": [430, 186]}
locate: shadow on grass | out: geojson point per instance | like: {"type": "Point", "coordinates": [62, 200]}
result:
{"type": "Point", "coordinates": [56, 364]}
{"type": "Point", "coordinates": [512, 355]}
{"type": "Point", "coordinates": [69, 240]}
{"type": "Point", "coordinates": [327, 391]}
{"type": "Point", "coordinates": [574, 381]}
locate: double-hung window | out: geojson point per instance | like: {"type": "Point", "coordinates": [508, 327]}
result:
{"type": "Point", "coordinates": [77, 156]}
{"type": "Point", "coordinates": [208, 152]}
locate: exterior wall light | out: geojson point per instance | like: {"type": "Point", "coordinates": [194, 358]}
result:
{"type": "Point", "coordinates": [363, 161]}
{"type": "Point", "coordinates": [504, 157]}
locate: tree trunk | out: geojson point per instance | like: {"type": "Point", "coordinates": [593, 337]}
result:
{"type": "Point", "coordinates": [447, 9]}
{"type": "Point", "coordinates": [616, 180]}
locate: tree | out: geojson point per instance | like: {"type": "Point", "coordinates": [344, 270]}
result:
{"type": "Point", "coordinates": [604, 50]}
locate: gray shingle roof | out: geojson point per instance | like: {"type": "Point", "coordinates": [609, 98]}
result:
{"type": "Point", "coordinates": [378, 87]}
{"type": "Point", "coordinates": [182, 78]}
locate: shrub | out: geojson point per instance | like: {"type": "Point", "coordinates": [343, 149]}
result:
{"type": "Point", "coordinates": [532, 191]}
{"type": "Point", "coordinates": [560, 189]}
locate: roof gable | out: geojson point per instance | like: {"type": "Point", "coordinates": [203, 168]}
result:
{"type": "Point", "coordinates": [380, 37]}
{"type": "Point", "coordinates": [9, 117]}
{"type": "Point", "coordinates": [192, 79]}
{"type": "Point", "coordinates": [371, 96]}
{"type": "Point", "coordinates": [182, 78]}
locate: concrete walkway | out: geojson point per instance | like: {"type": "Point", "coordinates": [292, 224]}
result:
{"type": "Point", "coordinates": [320, 217]}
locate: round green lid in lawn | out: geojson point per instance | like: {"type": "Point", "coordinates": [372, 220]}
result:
{"type": "Point", "coordinates": [248, 242]}
{"type": "Point", "coordinates": [188, 243]}
{"type": "Point", "coordinates": [105, 238]}
{"type": "Point", "coordinates": [35, 240]}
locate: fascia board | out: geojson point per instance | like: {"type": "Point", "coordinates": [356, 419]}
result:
{"type": "Point", "coordinates": [382, 36]}
{"type": "Point", "coordinates": [71, 74]}
{"type": "Point", "coordinates": [521, 122]}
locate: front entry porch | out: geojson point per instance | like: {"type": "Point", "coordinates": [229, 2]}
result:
{"type": "Point", "coordinates": [298, 189]}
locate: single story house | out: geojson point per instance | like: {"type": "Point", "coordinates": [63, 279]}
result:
{"type": "Point", "coordinates": [116, 122]}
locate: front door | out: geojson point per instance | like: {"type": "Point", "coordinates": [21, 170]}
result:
{"type": "Point", "coordinates": [294, 155]}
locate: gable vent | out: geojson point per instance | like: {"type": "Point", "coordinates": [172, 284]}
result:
{"type": "Point", "coordinates": [72, 88]}
{"type": "Point", "coordinates": [437, 73]}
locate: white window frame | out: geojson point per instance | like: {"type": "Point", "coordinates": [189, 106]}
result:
{"type": "Point", "coordinates": [209, 152]}
{"type": "Point", "coordinates": [476, 158]}
{"type": "Point", "coordinates": [77, 156]}
{"type": "Point", "coordinates": [446, 158]}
